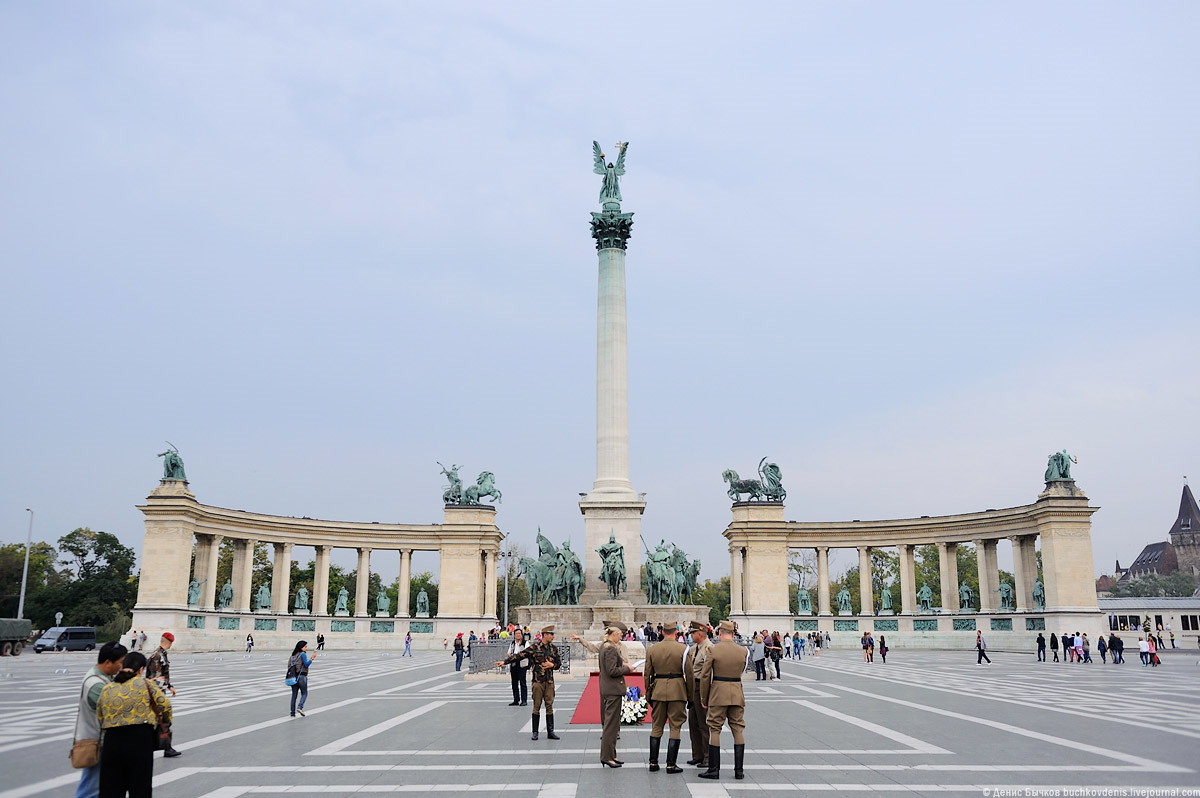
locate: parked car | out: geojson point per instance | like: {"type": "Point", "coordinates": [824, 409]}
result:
{"type": "Point", "coordinates": [66, 638]}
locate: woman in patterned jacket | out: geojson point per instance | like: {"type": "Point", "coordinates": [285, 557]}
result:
{"type": "Point", "coordinates": [126, 711]}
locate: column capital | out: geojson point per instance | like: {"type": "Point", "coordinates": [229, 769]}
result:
{"type": "Point", "coordinates": [611, 229]}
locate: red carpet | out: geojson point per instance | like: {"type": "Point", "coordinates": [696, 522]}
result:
{"type": "Point", "coordinates": [588, 708]}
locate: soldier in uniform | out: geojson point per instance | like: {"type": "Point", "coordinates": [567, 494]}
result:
{"type": "Point", "coordinates": [545, 661]}
{"type": "Point", "coordinates": [666, 690]}
{"type": "Point", "coordinates": [612, 690]}
{"type": "Point", "coordinates": [693, 662]}
{"type": "Point", "coordinates": [721, 694]}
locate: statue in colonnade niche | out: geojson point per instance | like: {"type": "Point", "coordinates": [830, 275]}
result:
{"type": "Point", "coordinates": [172, 464]}
{"type": "Point", "coordinates": [343, 602]}
{"type": "Point", "coordinates": [885, 599]}
{"type": "Point", "coordinates": [302, 599]}
{"type": "Point", "coordinates": [225, 598]}
{"type": "Point", "coordinates": [803, 602]}
{"type": "Point", "coordinates": [1039, 595]}
{"type": "Point", "coordinates": [1007, 597]}
{"type": "Point", "coordinates": [1058, 467]}
{"type": "Point", "coordinates": [966, 596]}
{"type": "Point", "coordinates": [843, 602]}
{"type": "Point", "coordinates": [382, 602]}
{"type": "Point", "coordinates": [422, 604]}
{"type": "Point", "coordinates": [194, 593]}
{"type": "Point", "coordinates": [263, 599]}
{"type": "Point", "coordinates": [925, 598]}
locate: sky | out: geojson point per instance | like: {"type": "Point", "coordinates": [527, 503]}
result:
{"type": "Point", "coordinates": [905, 251]}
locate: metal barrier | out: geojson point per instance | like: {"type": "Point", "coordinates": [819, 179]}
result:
{"type": "Point", "coordinates": [484, 656]}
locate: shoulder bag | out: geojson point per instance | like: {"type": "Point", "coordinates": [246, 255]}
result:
{"type": "Point", "coordinates": [84, 753]}
{"type": "Point", "coordinates": [162, 731]}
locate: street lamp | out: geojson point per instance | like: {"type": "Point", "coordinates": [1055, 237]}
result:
{"type": "Point", "coordinates": [505, 556]}
{"type": "Point", "coordinates": [25, 570]}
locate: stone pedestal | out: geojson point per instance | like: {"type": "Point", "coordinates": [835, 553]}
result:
{"type": "Point", "coordinates": [342, 614]}
{"type": "Point", "coordinates": [422, 615]}
{"type": "Point", "coordinates": [381, 614]}
{"type": "Point", "coordinates": [619, 515]}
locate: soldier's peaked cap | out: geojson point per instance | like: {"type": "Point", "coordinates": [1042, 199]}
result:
{"type": "Point", "coordinates": [696, 626]}
{"type": "Point", "coordinates": [548, 629]}
{"type": "Point", "coordinates": [727, 626]}
{"type": "Point", "coordinates": [616, 625]}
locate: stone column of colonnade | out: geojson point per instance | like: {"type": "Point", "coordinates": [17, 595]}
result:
{"type": "Point", "coordinates": [243, 573]}
{"type": "Point", "coordinates": [489, 584]}
{"type": "Point", "coordinates": [866, 591]}
{"type": "Point", "coordinates": [989, 575]}
{"type": "Point", "coordinates": [823, 580]}
{"type": "Point", "coordinates": [208, 550]}
{"type": "Point", "coordinates": [320, 600]}
{"type": "Point", "coordinates": [948, 573]}
{"type": "Point", "coordinates": [362, 585]}
{"type": "Point", "coordinates": [281, 577]}
{"type": "Point", "coordinates": [908, 587]}
{"type": "Point", "coordinates": [404, 586]}
{"type": "Point", "coordinates": [1024, 569]}
{"type": "Point", "coordinates": [735, 580]}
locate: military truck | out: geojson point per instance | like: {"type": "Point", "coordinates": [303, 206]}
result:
{"type": "Point", "coordinates": [13, 634]}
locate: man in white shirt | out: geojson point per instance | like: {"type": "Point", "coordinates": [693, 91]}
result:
{"type": "Point", "coordinates": [87, 725]}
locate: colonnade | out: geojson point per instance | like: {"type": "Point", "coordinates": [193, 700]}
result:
{"type": "Point", "coordinates": [467, 542]}
{"type": "Point", "coordinates": [205, 569]}
{"type": "Point", "coordinates": [760, 539]}
{"type": "Point", "coordinates": [1024, 574]}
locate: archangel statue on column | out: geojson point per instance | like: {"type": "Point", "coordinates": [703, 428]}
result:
{"type": "Point", "coordinates": [610, 191]}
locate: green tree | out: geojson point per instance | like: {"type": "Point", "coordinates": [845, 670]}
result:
{"type": "Point", "coordinates": [103, 590]}
{"type": "Point", "coordinates": [43, 574]}
{"type": "Point", "coordinates": [1154, 585]}
{"type": "Point", "coordinates": [714, 595]}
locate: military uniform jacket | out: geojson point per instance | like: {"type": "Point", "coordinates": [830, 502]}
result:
{"type": "Point", "coordinates": [537, 654]}
{"type": "Point", "coordinates": [612, 670]}
{"type": "Point", "coordinates": [159, 665]}
{"type": "Point", "coordinates": [664, 671]}
{"type": "Point", "coordinates": [721, 676]}
{"type": "Point", "coordinates": [692, 663]}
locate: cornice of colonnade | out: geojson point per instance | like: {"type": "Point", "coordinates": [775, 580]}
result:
{"type": "Point", "coordinates": [180, 505]}
{"type": "Point", "coordinates": [961, 528]}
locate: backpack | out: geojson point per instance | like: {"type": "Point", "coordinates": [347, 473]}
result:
{"type": "Point", "coordinates": [293, 671]}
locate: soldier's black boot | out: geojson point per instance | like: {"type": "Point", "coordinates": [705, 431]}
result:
{"type": "Point", "coordinates": [714, 763]}
{"type": "Point", "coordinates": [537, 719]}
{"type": "Point", "coordinates": [672, 755]}
{"type": "Point", "coordinates": [739, 754]}
{"type": "Point", "coordinates": [655, 742]}
{"type": "Point", "coordinates": [550, 735]}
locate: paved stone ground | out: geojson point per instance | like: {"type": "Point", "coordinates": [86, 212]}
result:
{"type": "Point", "coordinates": [925, 723]}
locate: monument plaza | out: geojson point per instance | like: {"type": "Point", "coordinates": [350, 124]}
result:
{"type": "Point", "coordinates": [926, 723]}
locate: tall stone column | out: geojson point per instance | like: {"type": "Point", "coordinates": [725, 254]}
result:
{"type": "Point", "coordinates": [866, 590]}
{"type": "Point", "coordinates": [985, 555]}
{"type": "Point", "coordinates": [908, 587]}
{"type": "Point", "coordinates": [405, 583]}
{"type": "Point", "coordinates": [320, 602]}
{"type": "Point", "coordinates": [735, 581]}
{"type": "Point", "coordinates": [281, 577]}
{"type": "Point", "coordinates": [362, 588]}
{"type": "Point", "coordinates": [823, 580]}
{"type": "Point", "coordinates": [243, 574]}
{"type": "Point", "coordinates": [489, 584]}
{"type": "Point", "coordinates": [1031, 567]}
{"type": "Point", "coordinates": [612, 508]}
{"type": "Point", "coordinates": [208, 591]}
{"type": "Point", "coordinates": [948, 573]}
{"type": "Point", "coordinates": [1024, 586]}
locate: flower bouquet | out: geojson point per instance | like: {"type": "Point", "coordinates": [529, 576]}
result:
{"type": "Point", "coordinates": [633, 707]}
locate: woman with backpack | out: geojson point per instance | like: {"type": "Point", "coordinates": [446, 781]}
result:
{"type": "Point", "coordinates": [297, 675]}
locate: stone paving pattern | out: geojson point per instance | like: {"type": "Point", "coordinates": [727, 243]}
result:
{"type": "Point", "coordinates": [925, 723]}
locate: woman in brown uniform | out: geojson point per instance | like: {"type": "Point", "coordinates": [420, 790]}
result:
{"type": "Point", "coordinates": [612, 691]}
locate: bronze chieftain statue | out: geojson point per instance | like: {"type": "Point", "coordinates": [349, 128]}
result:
{"type": "Point", "coordinates": [612, 571]}
{"type": "Point", "coordinates": [556, 577]}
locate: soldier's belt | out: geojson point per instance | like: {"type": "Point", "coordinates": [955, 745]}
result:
{"type": "Point", "coordinates": [668, 676]}
{"type": "Point", "coordinates": [727, 678]}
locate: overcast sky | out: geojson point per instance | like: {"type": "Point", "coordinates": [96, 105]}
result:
{"type": "Point", "coordinates": [906, 250]}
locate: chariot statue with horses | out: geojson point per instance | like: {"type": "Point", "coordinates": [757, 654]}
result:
{"type": "Point", "coordinates": [769, 486]}
{"type": "Point", "coordinates": [455, 493]}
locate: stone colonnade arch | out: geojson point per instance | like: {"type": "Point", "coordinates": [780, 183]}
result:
{"type": "Point", "coordinates": [468, 543]}
{"type": "Point", "coordinates": [760, 539]}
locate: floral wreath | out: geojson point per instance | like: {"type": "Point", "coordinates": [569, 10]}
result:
{"type": "Point", "coordinates": [633, 707]}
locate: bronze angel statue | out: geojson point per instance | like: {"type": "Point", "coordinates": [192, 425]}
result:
{"type": "Point", "coordinates": [610, 191]}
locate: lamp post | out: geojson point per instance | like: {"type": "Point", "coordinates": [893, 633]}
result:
{"type": "Point", "coordinates": [25, 570]}
{"type": "Point", "coordinates": [505, 557]}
